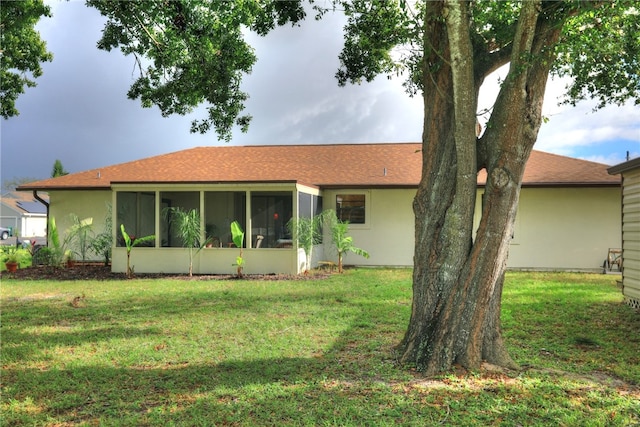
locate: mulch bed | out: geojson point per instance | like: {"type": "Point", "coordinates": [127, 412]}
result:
{"type": "Point", "coordinates": [91, 271]}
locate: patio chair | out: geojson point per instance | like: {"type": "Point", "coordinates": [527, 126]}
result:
{"type": "Point", "coordinates": [614, 257]}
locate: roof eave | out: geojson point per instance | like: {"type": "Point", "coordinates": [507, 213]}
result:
{"type": "Point", "coordinates": [565, 184]}
{"type": "Point", "coordinates": [573, 184]}
{"type": "Point", "coordinates": [366, 186]}
{"type": "Point", "coordinates": [63, 188]}
{"type": "Point", "coordinates": [323, 186]}
{"type": "Point", "coordinates": [186, 183]}
{"type": "Point", "coordinates": [624, 167]}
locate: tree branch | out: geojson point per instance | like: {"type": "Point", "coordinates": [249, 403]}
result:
{"type": "Point", "coordinates": [148, 33]}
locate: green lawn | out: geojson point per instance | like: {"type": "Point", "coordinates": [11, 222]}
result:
{"type": "Point", "coordinates": [308, 352]}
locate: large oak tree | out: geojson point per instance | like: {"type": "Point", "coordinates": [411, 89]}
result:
{"type": "Point", "coordinates": [453, 46]}
{"type": "Point", "coordinates": [193, 52]}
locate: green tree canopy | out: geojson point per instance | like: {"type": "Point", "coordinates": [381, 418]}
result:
{"type": "Point", "coordinates": [599, 45]}
{"type": "Point", "coordinates": [193, 52]}
{"type": "Point", "coordinates": [21, 50]}
{"type": "Point", "coordinates": [58, 169]}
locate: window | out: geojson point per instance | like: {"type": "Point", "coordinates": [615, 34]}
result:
{"type": "Point", "coordinates": [221, 208]}
{"type": "Point", "coordinates": [350, 207]}
{"type": "Point", "coordinates": [186, 200]}
{"type": "Point", "coordinates": [308, 205]}
{"type": "Point", "coordinates": [137, 211]}
{"type": "Point", "coordinates": [270, 212]}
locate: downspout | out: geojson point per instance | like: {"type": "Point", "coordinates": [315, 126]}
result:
{"type": "Point", "coordinates": [41, 200]}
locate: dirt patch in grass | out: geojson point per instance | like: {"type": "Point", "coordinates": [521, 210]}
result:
{"type": "Point", "coordinates": [90, 271]}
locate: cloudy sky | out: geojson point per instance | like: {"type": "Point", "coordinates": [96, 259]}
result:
{"type": "Point", "coordinates": [79, 112]}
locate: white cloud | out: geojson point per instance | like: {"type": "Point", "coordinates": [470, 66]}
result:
{"type": "Point", "coordinates": [577, 131]}
{"type": "Point", "coordinates": [580, 126]}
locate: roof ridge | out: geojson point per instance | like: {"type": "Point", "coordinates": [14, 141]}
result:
{"type": "Point", "coordinates": [330, 144]}
{"type": "Point", "coordinates": [571, 158]}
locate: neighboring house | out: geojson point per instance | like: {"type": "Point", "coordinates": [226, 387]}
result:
{"type": "Point", "coordinates": [24, 214]}
{"type": "Point", "coordinates": [568, 216]}
{"type": "Point", "coordinates": [630, 172]}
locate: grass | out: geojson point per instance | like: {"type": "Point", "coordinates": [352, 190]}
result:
{"type": "Point", "coordinates": [183, 352]}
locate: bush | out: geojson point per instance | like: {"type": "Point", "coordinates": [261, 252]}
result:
{"type": "Point", "coordinates": [43, 256]}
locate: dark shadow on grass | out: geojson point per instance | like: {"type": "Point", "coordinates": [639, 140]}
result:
{"type": "Point", "coordinates": [79, 393]}
{"type": "Point", "coordinates": [26, 346]}
{"type": "Point", "coordinates": [291, 391]}
{"type": "Point", "coordinates": [199, 395]}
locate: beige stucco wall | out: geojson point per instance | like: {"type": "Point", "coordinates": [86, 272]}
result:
{"type": "Point", "coordinates": [84, 204]}
{"type": "Point", "coordinates": [565, 228]}
{"type": "Point", "coordinates": [388, 232]}
{"type": "Point", "coordinates": [206, 261]}
{"type": "Point", "coordinates": [556, 228]}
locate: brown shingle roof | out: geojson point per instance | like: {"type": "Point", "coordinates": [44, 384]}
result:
{"type": "Point", "coordinates": [339, 165]}
{"type": "Point", "coordinates": [546, 169]}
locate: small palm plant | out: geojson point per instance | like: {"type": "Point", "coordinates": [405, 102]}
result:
{"type": "Point", "coordinates": [77, 239]}
{"type": "Point", "coordinates": [80, 235]}
{"type": "Point", "coordinates": [341, 242]}
{"type": "Point", "coordinates": [189, 229]}
{"type": "Point", "coordinates": [56, 245]}
{"type": "Point", "coordinates": [59, 247]}
{"type": "Point", "coordinates": [12, 257]}
{"type": "Point", "coordinates": [307, 232]}
{"type": "Point", "coordinates": [130, 243]}
{"type": "Point", "coordinates": [237, 235]}
{"type": "Point", "coordinates": [101, 243]}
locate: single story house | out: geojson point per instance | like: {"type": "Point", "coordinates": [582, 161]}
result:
{"type": "Point", "coordinates": [568, 216]}
{"type": "Point", "coordinates": [630, 172]}
{"type": "Point", "coordinates": [24, 214]}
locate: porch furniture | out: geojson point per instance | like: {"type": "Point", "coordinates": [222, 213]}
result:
{"type": "Point", "coordinates": [284, 243]}
{"type": "Point", "coordinates": [214, 242]}
{"type": "Point", "coordinates": [328, 265]}
{"type": "Point", "coordinates": [614, 257]}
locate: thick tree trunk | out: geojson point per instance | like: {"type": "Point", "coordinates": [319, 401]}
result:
{"type": "Point", "coordinates": [457, 282]}
{"type": "Point", "coordinates": [434, 272]}
{"type": "Point", "coordinates": [493, 347]}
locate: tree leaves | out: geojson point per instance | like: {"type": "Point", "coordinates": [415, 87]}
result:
{"type": "Point", "coordinates": [600, 50]}
{"type": "Point", "coordinates": [21, 50]}
{"type": "Point", "coordinates": [192, 52]}
{"type": "Point", "coordinates": [373, 31]}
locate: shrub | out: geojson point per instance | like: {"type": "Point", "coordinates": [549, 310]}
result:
{"type": "Point", "coordinates": [43, 256]}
